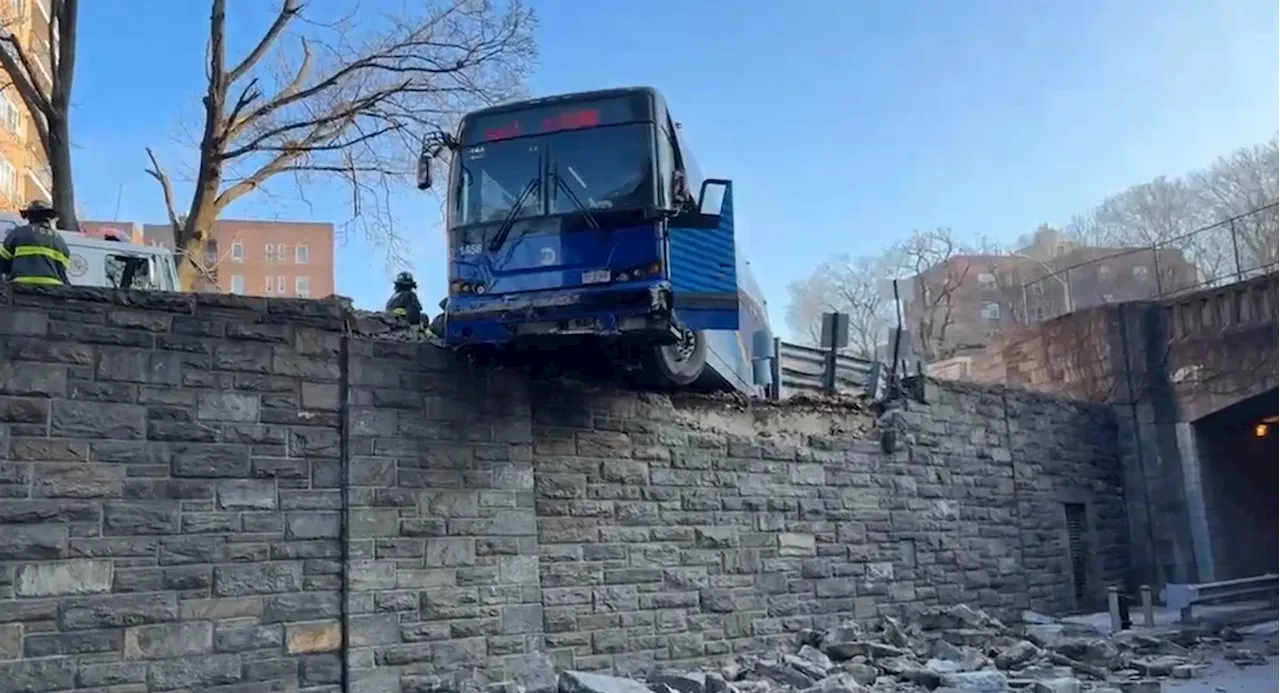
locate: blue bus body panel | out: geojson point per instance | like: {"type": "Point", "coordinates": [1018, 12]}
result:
{"type": "Point", "coordinates": [732, 354]}
{"type": "Point", "coordinates": [704, 273]}
{"type": "Point", "coordinates": [538, 256]}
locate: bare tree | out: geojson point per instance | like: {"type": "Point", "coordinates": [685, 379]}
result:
{"type": "Point", "coordinates": [352, 102]}
{"type": "Point", "coordinates": [41, 67]}
{"type": "Point", "coordinates": [1243, 188]}
{"type": "Point", "coordinates": [847, 285]}
{"type": "Point", "coordinates": [931, 259]}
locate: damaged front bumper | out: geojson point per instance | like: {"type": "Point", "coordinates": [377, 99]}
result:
{"type": "Point", "coordinates": [636, 312]}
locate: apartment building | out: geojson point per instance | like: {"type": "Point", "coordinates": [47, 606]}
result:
{"type": "Point", "coordinates": [962, 304]}
{"type": "Point", "coordinates": [24, 170]}
{"type": "Point", "coordinates": [263, 258]}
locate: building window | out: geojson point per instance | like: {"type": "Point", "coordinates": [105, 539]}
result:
{"type": "Point", "coordinates": [269, 286]}
{"type": "Point", "coordinates": [270, 252]}
{"type": "Point", "coordinates": [18, 9]}
{"type": "Point", "coordinates": [8, 179]}
{"type": "Point", "coordinates": [302, 287]}
{"type": "Point", "coordinates": [991, 311]}
{"type": "Point", "coordinates": [10, 115]}
{"type": "Point", "coordinates": [1104, 272]}
{"type": "Point", "coordinates": [280, 286]}
{"type": "Point", "coordinates": [282, 252]}
{"type": "Point", "coordinates": [237, 252]}
{"type": "Point", "coordinates": [987, 280]}
{"type": "Point", "coordinates": [237, 284]}
{"type": "Point", "coordinates": [302, 254]}
{"type": "Point", "coordinates": [1140, 273]}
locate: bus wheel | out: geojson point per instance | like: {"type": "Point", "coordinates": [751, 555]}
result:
{"type": "Point", "coordinates": [679, 364]}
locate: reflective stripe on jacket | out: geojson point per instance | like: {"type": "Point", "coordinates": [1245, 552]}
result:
{"type": "Point", "coordinates": [405, 304]}
{"type": "Point", "coordinates": [35, 254]}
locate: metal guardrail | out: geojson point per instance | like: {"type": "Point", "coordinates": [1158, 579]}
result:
{"type": "Point", "coordinates": [800, 369]}
{"type": "Point", "coordinates": [1185, 596]}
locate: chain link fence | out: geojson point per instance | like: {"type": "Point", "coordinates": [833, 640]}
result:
{"type": "Point", "coordinates": [1229, 251]}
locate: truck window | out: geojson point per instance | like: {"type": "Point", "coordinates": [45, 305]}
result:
{"type": "Point", "coordinates": [129, 272]}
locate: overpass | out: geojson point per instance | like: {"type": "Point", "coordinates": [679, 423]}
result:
{"type": "Point", "coordinates": [1193, 380]}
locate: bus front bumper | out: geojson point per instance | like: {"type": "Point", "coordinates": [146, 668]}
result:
{"type": "Point", "coordinates": [637, 312]}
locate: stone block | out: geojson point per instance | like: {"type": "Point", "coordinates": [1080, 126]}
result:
{"type": "Point", "coordinates": [247, 494]}
{"type": "Point", "coordinates": [33, 380]}
{"type": "Point", "coordinates": [246, 638]}
{"type": "Point", "coordinates": [196, 673]}
{"type": "Point", "coordinates": [74, 577]}
{"type": "Point", "coordinates": [790, 544]}
{"type": "Point", "coordinates": [312, 638]}
{"type": "Point", "coordinates": [152, 367]}
{"type": "Point", "coordinates": [117, 611]}
{"type": "Point", "coordinates": [97, 420]}
{"type": "Point", "coordinates": [78, 481]}
{"type": "Point", "coordinates": [38, 675]}
{"type": "Point", "coordinates": [123, 518]}
{"type": "Point", "coordinates": [168, 640]}
{"type": "Point", "coordinates": [32, 542]}
{"type": "Point", "coordinates": [227, 406]}
{"type": "Point", "coordinates": [71, 643]}
{"type": "Point", "coordinates": [313, 525]}
{"type": "Point", "coordinates": [305, 606]}
{"type": "Point", "coordinates": [259, 578]}
{"type": "Point", "coordinates": [10, 641]}
{"type": "Point", "coordinates": [111, 674]}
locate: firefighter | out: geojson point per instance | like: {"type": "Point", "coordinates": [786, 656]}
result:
{"type": "Point", "coordinates": [404, 303]}
{"type": "Point", "coordinates": [35, 253]}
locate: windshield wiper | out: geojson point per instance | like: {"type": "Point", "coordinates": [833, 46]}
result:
{"type": "Point", "coordinates": [505, 229]}
{"type": "Point", "coordinates": [577, 202]}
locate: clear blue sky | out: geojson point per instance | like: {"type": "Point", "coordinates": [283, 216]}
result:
{"type": "Point", "coordinates": [845, 123]}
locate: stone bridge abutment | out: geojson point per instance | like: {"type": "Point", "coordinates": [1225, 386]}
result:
{"type": "Point", "coordinates": [236, 495]}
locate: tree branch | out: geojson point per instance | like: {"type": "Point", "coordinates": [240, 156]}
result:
{"type": "Point", "coordinates": [288, 10]}
{"type": "Point", "coordinates": [166, 189]}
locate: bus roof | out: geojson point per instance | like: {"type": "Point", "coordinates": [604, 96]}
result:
{"type": "Point", "coordinates": [558, 98]}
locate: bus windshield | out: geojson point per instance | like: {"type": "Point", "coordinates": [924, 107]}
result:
{"type": "Point", "coordinates": [491, 178]}
{"type": "Point", "coordinates": [601, 169]}
{"type": "Point", "coordinates": [589, 170]}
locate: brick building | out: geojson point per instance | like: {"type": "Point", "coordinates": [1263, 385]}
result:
{"type": "Point", "coordinates": [960, 305]}
{"type": "Point", "coordinates": [263, 258]}
{"type": "Point", "coordinates": [24, 170]}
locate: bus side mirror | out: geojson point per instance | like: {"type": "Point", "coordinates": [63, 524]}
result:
{"type": "Point", "coordinates": [424, 169]}
{"type": "Point", "coordinates": [710, 204]}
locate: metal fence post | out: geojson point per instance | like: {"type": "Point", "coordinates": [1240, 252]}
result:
{"type": "Point", "coordinates": [1069, 299]}
{"type": "Point", "coordinates": [1235, 250]}
{"type": "Point", "coordinates": [776, 368]}
{"type": "Point", "coordinates": [1026, 306]}
{"type": "Point", "coordinates": [1155, 264]}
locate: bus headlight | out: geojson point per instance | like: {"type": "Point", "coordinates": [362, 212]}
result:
{"type": "Point", "coordinates": [649, 270]}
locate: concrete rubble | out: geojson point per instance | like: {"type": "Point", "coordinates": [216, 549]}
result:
{"type": "Point", "coordinates": [949, 650]}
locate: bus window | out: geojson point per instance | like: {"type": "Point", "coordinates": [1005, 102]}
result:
{"type": "Point", "coordinates": [491, 178]}
{"type": "Point", "coordinates": [666, 165]}
{"type": "Point", "coordinates": [603, 168]}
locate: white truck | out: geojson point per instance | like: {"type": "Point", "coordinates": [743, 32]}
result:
{"type": "Point", "coordinates": [114, 264]}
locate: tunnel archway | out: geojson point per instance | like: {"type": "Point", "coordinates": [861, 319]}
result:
{"type": "Point", "coordinates": [1237, 450]}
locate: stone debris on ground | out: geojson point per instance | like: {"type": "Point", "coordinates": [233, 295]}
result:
{"type": "Point", "coordinates": [949, 650]}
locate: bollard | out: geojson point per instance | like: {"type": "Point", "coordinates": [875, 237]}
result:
{"type": "Point", "coordinates": [1113, 606]}
{"type": "Point", "coordinates": [1148, 609]}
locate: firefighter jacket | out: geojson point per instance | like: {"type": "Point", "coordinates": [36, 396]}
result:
{"type": "Point", "coordinates": [35, 254]}
{"type": "Point", "coordinates": [405, 304]}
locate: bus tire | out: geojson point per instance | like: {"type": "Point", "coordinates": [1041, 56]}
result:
{"type": "Point", "coordinates": [680, 364]}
